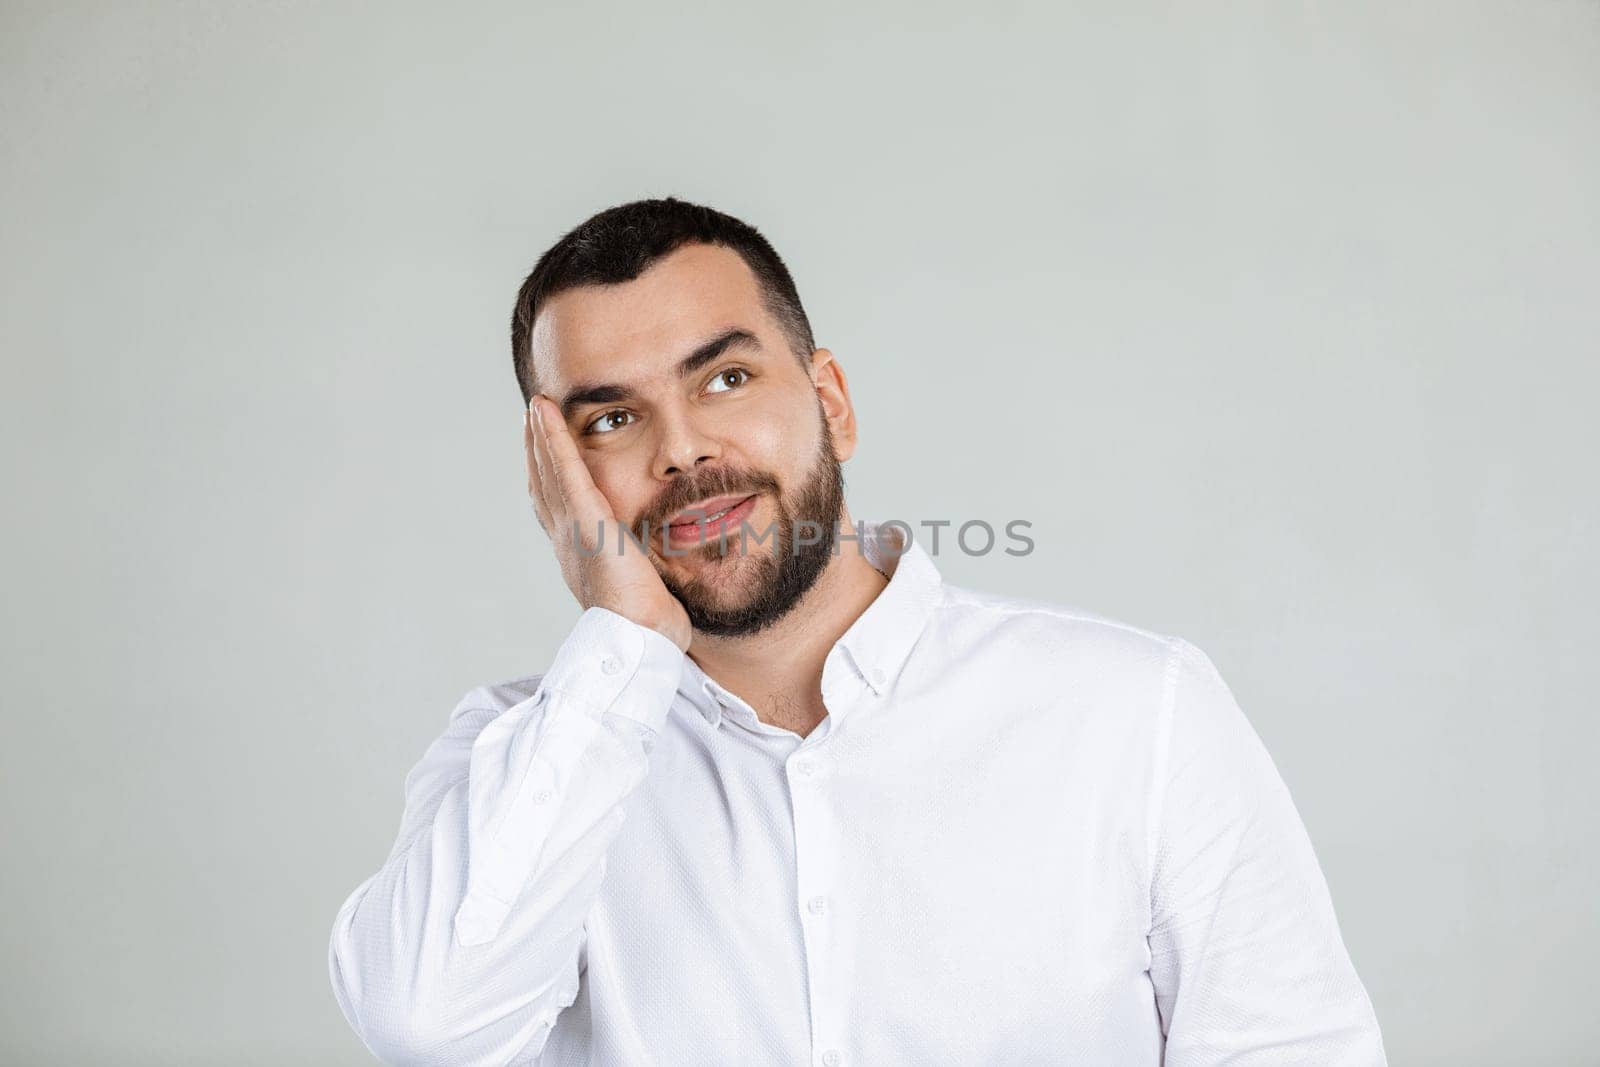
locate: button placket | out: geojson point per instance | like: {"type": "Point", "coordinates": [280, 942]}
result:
{"type": "Point", "coordinates": [814, 847]}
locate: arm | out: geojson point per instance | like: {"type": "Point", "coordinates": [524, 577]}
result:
{"type": "Point", "coordinates": [1246, 956]}
{"type": "Point", "coordinates": [466, 945]}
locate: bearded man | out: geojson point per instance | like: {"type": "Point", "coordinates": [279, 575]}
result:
{"type": "Point", "coordinates": [785, 796]}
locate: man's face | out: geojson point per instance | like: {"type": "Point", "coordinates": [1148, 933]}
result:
{"type": "Point", "coordinates": [741, 419]}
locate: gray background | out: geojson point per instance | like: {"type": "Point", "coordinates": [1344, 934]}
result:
{"type": "Point", "coordinates": [1276, 320]}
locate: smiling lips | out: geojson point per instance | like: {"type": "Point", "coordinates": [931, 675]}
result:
{"type": "Point", "coordinates": [709, 518]}
{"type": "Point", "coordinates": [707, 510]}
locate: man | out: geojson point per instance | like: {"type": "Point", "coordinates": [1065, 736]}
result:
{"type": "Point", "coordinates": [783, 796]}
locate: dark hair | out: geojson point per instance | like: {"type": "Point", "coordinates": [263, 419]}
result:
{"type": "Point", "coordinates": [619, 243]}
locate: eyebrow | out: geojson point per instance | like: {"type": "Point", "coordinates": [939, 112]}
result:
{"type": "Point", "coordinates": [612, 393]}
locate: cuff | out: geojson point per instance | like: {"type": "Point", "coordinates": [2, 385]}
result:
{"type": "Point", "coordinates": [611, 664]}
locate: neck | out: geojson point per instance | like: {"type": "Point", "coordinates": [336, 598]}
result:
{"type": "Point", "coordinates": [778, 671]}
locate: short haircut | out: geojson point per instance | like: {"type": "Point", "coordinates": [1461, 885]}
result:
{"type": "Point", "coordinates": [620, 243]}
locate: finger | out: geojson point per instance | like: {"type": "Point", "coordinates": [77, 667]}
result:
{"type": "Point", "coordinates": [580, 497]}
{"type": "Point", "coordinates": [536, 491]}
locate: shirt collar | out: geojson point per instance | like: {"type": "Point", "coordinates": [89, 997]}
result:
{"type": "Point", "coordinates": [880, 640]}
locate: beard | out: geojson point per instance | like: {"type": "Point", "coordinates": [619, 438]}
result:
{"type": "Point", "coordinates": [774, 582]}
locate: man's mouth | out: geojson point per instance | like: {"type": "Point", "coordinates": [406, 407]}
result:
{"type": "Point", "coordinates": [709, 518]}
{"type": "Point", "coordinates": [707, 511]}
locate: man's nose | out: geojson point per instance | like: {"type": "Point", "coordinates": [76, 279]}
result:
{"type": "Point", "coordinates": [683, 445]}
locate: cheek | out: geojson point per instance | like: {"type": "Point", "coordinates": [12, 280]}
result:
{"type": "Point", "coordinates": [624, 488]}
{"type": "Point", "coordinates": [776, 443]}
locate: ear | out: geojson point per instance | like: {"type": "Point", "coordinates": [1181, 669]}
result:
{"type": "Point", "coordinates": [833, 393]}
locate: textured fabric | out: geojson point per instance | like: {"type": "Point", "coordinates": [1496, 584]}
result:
{"type": "Point", "coordinates": [1023, 834]}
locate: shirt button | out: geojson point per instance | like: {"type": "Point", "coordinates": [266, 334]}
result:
{"type": "Point", "coordinates": [611, 665]}
{"type": "Point", "coordinates": [818, 905]}
{"type": "Point", "coordinates": [832, 1058]}
{"type": "Point", "coordinates": [542, 796]}
{"type": "Point", "coordinates": [803, 768]}
{"type": "Point", "coordinates": [877, 677]}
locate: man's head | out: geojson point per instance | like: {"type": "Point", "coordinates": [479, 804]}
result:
{"type": "Point", "coordinates": [673, 338]}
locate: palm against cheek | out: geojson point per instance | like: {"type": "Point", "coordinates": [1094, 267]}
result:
{"type": "Point", "coordinates": [580, 522]}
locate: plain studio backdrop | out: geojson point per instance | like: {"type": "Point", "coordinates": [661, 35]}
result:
{"type": "Point", "coordinates": [1277, 322]}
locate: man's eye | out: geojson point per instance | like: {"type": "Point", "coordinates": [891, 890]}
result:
{"type": "Point", "coordinates": [606, 423]}
{"type": "Point", "coordinates": [739, 374]}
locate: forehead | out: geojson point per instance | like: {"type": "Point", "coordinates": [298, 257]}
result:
{"type": "Point", "coordinates": [636, 329]}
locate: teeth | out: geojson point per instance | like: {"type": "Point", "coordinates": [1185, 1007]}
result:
{"type": "Point", "coordinates": [714, 516]}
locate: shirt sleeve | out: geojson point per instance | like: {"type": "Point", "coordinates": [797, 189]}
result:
{"type": "Point", "coordinates": [468, 943]}
{"type": "Point", "coordinates": [1246, 956]}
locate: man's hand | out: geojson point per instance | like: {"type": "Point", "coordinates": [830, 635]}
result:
{"type": "Point", "coordinates": [573, 512]}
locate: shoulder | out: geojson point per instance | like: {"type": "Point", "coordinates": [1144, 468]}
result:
{"type": "Point", "coordinates": [1057, 633]}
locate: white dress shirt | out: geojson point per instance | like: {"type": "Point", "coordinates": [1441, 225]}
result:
{"type": "Point", "coordinates": [1023, 834]}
